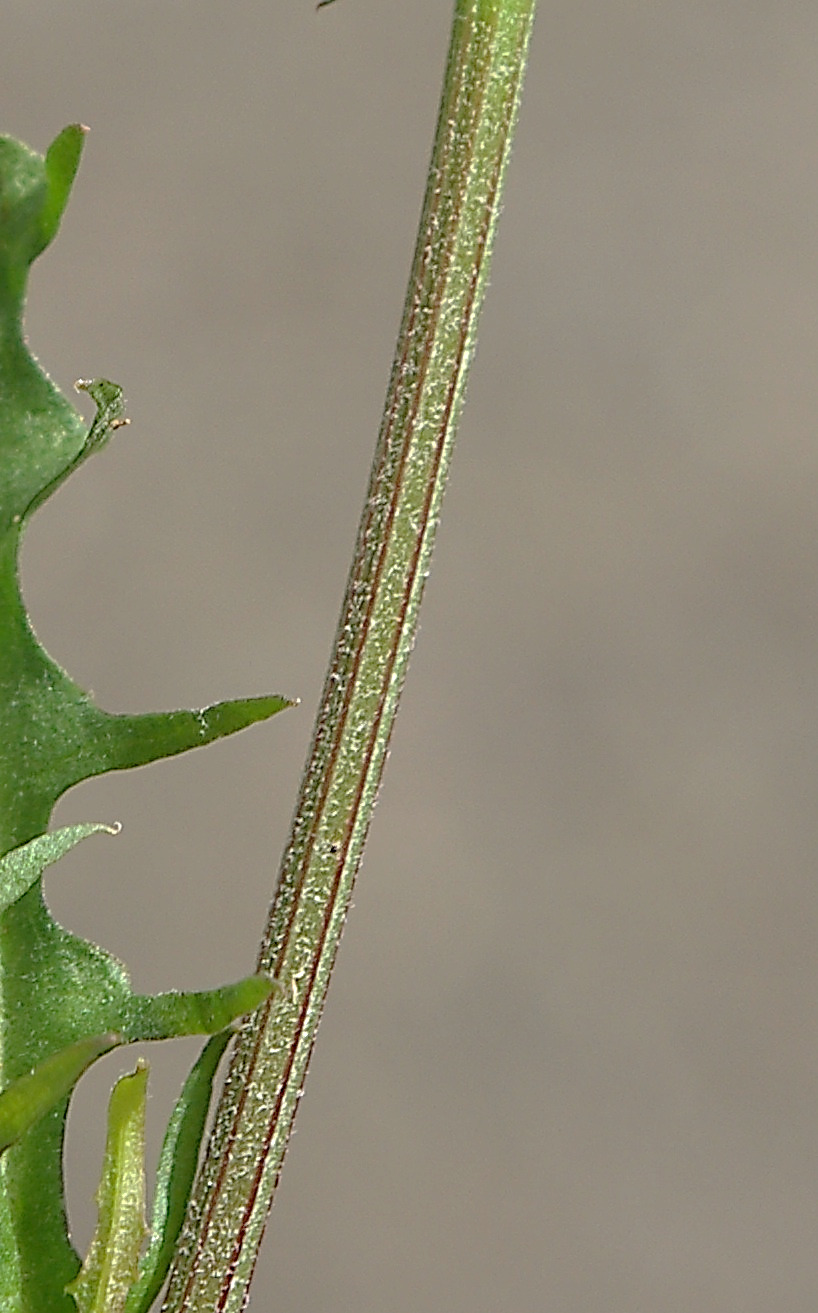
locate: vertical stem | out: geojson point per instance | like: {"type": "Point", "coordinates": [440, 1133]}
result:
{"type": "Point", "coordinates": [375, 635]}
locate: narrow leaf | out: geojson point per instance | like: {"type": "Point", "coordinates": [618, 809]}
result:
{"type": "Point", "coordinates": [126, 741]}
{"type": "Point", "coordinates": [110, 1268]}
{"type": "Point", "coordinates": [174, 1178]}
{"type": "Point", "coordinates": [30, 1097]}
{"type": "Point", "coordinates": [20, 868]}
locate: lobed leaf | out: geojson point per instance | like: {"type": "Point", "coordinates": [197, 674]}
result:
{"type": "Point", "coordinates": [58, 993]}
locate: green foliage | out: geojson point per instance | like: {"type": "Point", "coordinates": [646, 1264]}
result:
{"type": "Point", "coordinates": [109, 1271]}
{"type": "Point", "coordinates": [27, 1099]}
{"type": "Point", "coordinates": [114, 1278]}
{"type": "Point", "coordinates": [64, 1001]}
{"type": "Point", "coordinates": [174, 1177]}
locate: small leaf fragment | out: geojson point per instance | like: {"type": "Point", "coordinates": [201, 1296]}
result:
{"type": "Point", "coordinates": [174, 1177]}
{"type": "Point", "coordinates": [110, 1267]}
{"type": "Point", "coordinates": [23, 866]}
{"type": "Point", "coordinates": [110, 403]}
{"type": "Point", "coordinates": [30, 1097]}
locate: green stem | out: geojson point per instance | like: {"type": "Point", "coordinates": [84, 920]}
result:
{"type": "Point", "coordinates": [376, 631]}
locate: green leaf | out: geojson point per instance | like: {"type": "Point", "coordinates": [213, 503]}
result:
{"type": "Point", "coordinates": [40, 432]}
{"type": "Point", "coordinates": [57, 990]}
{"type": "Point", "coordinates": [62, 160]}
{"type": "Point", "coordinates": [174, 1178]}
{"type": "Point", "coordinates": [28, 1098]}
{"type": "Point", "coordinates": [23, 866]}
{"type": "Point", "coordinates": [110, 1268]}
{"type": "Point", "coordinates": [203, 1012]}
{"type": "Point", "coordinates": [110, 416]}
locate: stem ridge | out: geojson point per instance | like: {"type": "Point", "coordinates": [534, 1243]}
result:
{"type": "Point", "coordinates": [373, 643]}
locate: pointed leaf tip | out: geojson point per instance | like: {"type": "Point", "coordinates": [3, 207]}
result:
{"type": "Point", "coordinates": [128, 741]}
{"type": "Point", "coordinates": [62, 160]}
{"type": "Point", "coordinates": [35, 192]}
{"type": "Point", "coordinates": [198, 1012]}
{"type": "Point", "coordinates": [23, 866]}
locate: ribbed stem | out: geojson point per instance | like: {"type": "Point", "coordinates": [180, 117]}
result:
{"type": "Point", "coordinates": [375, 635]}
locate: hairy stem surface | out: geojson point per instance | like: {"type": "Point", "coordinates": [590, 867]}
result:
{"type": "Point", "coordinates": [376, 631]}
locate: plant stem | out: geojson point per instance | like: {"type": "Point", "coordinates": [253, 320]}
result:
{"type": "Point", "coordinates": [375, 635]}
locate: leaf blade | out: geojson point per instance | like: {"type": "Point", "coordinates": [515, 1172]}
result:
{"type": "Point", "coordinates": [110, 1267]}
{"type": "Point", "coordinates": [30, 1097]}
{"type": "Point", "coordinates": [175, 1174]}
{"type": "Point", "coordinates": [62, 159]}
{"type": "Point", "coordinates": [23, 866]}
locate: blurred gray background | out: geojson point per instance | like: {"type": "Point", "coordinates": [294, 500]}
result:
{"type": "Point", "coordinates": [570, 1059]}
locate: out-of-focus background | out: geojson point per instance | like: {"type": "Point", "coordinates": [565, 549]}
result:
{"type": "Point", "coordinates": [570, 1059]}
